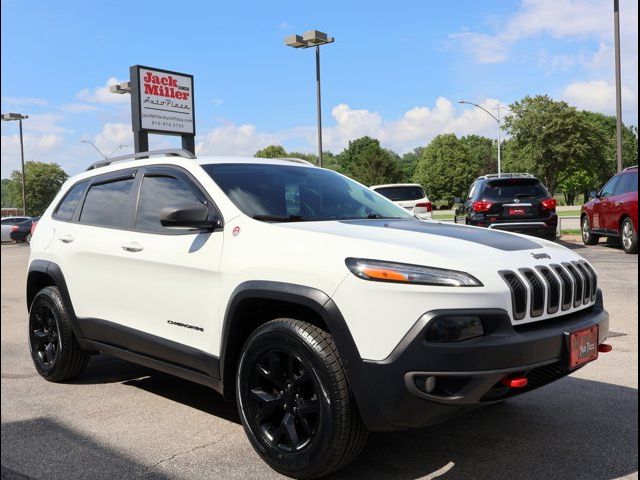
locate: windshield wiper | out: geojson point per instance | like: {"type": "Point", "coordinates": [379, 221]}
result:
{"type": "Point", "coordinates": [283, 218]}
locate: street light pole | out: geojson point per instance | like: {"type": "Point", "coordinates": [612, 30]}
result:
{"type": "Point", "coordinates": [318, 106]}
{"type": "Point", "coordinates": [106, 157]}
{"type": "Point", "coordinates": [313, 38]}
{"type": "Point", "coordinates": [8, 117]}
{"type": "Point", "coordinates": [497, 119]}
{"type": "Point", "coordinates": [616, 27]}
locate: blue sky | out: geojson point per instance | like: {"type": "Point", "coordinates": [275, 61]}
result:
{"type": "Point", "coordinates": [395, 71]}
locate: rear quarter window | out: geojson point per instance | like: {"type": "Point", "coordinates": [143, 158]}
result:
{"type": "Point", "coordinates": [67, 206]}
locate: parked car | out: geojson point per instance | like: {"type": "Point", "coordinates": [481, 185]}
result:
{"type": "Point", "coordinates": [516, 202]}
{"type": "Point", "coordinates": [6, 223]}
{"type": "Point", "coordinates": [322, 308]}
{"type": "Point", "coordinates": [410, 196]}
{"type": "Point", "coordinates": [612, 211]}
{"type": "Point", "coordinates": [22, 232]}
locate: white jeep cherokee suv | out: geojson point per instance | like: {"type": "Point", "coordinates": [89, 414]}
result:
{"type": "Point", "coordinates": [324, 309]}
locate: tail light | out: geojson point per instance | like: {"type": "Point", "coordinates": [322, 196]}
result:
{"type": "Point", "coordinates": [426, 205]}
{"type": "Point", "coordinates": [549, 204]}
{"type": "Point", "coordinates": [481, 206]}
{"type": "Point", "coordinates": [33, 227]}
{"type": "Point", "coordinates": [14, 228]}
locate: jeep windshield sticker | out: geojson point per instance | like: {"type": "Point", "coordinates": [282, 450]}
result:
{"type": "Point", "coordinates": [489, 238]}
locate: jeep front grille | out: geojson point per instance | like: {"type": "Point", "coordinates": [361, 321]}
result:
{"type": "Point", "coordinates": [550, 288]}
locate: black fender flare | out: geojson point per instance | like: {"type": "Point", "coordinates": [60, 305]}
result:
{"type": "Point", "coordinates": [324, 306]}
{"type": "Point", "coordinates": [53, 271]}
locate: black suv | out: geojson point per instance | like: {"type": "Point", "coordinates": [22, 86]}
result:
{"type": "Point", "coordinates": [517, 202]}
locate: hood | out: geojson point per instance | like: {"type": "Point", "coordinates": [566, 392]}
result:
{"type": "Point", "coordinates": [439, 243]}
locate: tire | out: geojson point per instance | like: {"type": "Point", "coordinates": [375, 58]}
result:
{"type": "Point", "coordinates": [303, 422]}
{"type": "Point", "coordinates": [27, 239]}
{"type": "Point", "coordinates": [55, 351]}
{"type": "Point", "coordinates": [628, 236]}
{"type": "Point", "coordinates": [588, 238]}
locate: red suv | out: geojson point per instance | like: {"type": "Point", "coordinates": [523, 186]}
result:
{"type": "Point", "coordinates": [613, 211]}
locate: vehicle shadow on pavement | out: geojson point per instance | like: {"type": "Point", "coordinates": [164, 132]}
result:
{"type": "Point", "coordinates": [107, 369]}
{"type": "Point", "coordinates": [574, 428]}
{"type": "Point", "coordinates": [56, 451]}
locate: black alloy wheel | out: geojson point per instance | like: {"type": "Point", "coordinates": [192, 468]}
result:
{"type": "Point", "coordinates": [54, 349]}
{"type": "Point", "coordinates": [44, 336]}
{"type": "Point", "coordinates": [284, 401]}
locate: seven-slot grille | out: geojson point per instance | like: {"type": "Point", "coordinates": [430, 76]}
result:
{"type": "Point", "coordinates": [550, 288]}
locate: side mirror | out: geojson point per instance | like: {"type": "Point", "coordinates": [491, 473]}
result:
{"type": "Point", "coordinates": [593, 194]}
{"type": "Point", "coordinates": [190, 215]}
{"type": "Point", "coordinates": [457, 200]}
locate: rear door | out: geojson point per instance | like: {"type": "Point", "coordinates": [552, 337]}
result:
{"type": "Point", "coordinates": [626, 192]}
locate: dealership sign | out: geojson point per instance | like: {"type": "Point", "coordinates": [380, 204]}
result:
{"type": "Point", "coordinates": [162, 101]}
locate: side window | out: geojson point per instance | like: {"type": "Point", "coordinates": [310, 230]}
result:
{"type": "Point", "coordinates": [68, 205]}
{"type": "Point", "coordinates": [7, 221]}
{"type": "Point", "coordinates": [628, 183]}
{"type": "Point", "coordinates": [159, 191]}
{"type": "Point", "coordinates": [472, 190]}
{"type": "Point", "coordinates": [609, 187]}
{"type": "Point", "coordinates": [106, 203]}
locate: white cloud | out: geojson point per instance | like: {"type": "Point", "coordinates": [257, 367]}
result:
{"type": "Point", "coordinates": [416, 127]}
{"type": "Point", "coordinates": [45, 123]}
{"type": "Point", "coordinates": [21, 101]}
{"type": "Point", "coordinates": [77, 107]}
{"type": "Point", "coordinates": [102, 94]}
{"type": "Point", "coordinates": [597, 95]}
{"type": "Point", "coordinates": [217, 101]}
{"type": "Point", "coordinates": [36, 148]}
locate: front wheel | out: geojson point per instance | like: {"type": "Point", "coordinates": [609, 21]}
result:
{"type": "Point", "coordinates": [588, 238]}
{"type": "Point", "coordinates": [629, 236]}
{"type": "Point", "coordinates": [294, 400]}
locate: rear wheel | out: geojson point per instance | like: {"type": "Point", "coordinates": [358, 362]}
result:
{"type": "Point", "coordinates": [54, 349]}
{"type": "Point", "coordinates": [629, 236]}
{"type": "Point", "coordinates": [588, 237]}
{"type": "Point", "coordinates": [294, 400]}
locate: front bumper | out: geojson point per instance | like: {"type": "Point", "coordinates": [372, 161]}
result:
{"type": "Point", "coordinates": [468, 373]}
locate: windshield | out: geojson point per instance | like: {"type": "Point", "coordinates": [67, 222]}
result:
{"type": "Point", "coordinates": [401, 194]}
{"type": "Point", "coordinates": [511, 188]}
{"type": "Point", "coordinates": [294, 193]}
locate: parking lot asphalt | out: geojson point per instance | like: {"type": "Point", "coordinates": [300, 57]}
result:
{"type": "Point", "coordinates": [119, 420]}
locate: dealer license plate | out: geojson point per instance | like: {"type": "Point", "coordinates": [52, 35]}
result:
{"type": "Point", "coordinates": [583, 346]}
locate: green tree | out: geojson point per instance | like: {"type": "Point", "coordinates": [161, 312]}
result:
{"type": "Point", "coordinates": [408, 163]}
{"type": "Point", "coordinates": [7, 195]}
{"type": "Point", "coordinates": [42, 183]}
{"type": "Point", "coordinates": [550, 139]}
{"type": "Point", "coordinates": [444, 168]}
{"type": "Point", "coordinates": [272, 151]}
{"type": "Point", "coordinates": [367, 162]}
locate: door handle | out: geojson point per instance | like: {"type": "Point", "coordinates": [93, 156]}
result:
{"type": "Point", "coordinates": [66, 238]}
{"type": "Point", "coordinates": [132, 247]}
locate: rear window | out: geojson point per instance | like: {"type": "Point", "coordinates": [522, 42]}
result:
{"type": "Point", "coordinates": [400, 194]}
{"type": "Point", "coordinates": [106, 203]}
{"type": "Point", "coordinates": [512, 188]}
{"type": "Point", "coordinates": [68, 205]}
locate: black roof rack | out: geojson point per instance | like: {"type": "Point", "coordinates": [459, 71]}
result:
{"type": "Point", "coordinates": [505, 175]}
{"type": "Point", "coordinates": [171, 152]}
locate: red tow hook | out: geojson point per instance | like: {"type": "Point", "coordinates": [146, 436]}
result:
{"type": "Point", "coordinates": [515, 382]}
{"type": "Point", "coordinates": [604, 348]}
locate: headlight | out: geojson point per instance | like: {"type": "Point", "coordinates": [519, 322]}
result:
{"type": "Point", "coordinates": [379, 271]}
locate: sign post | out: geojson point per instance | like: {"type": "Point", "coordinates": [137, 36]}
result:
{"type": "Point", "coordinates": [161, 103]}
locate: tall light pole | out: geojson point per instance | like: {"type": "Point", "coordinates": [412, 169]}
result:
{"type": "Point", "coordinates": [8, 117]}
{"type": "Point", "coordinates": [497, 119]}
{"type": "Point", "coordinates": [313, 38]}
{"type": "Point", "coordinates": [106, 157]}
{"type": "Point", "coordinates": [616, 28]}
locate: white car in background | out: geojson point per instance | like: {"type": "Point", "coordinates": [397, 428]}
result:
{"type": "Point", "coordinates": [410, 196]}
{"type": "Point", "coordinates": [7, 223]}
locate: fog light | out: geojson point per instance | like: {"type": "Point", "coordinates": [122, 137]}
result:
{"type": "Point", "coordinates": [454, 329]}
{"type": "Point", "coordinates": [429, 384]}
